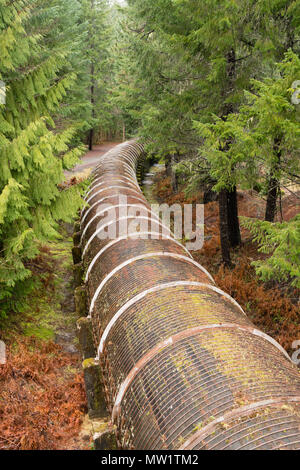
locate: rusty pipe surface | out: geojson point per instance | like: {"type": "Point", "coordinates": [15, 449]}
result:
{"type": "Point", "coordinates": [183, 366]}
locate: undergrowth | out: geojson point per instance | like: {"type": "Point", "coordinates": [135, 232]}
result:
{"type": "Point", "coordinates": [42, 400]}
{"type": "Point", "coordinates": [272, 306]}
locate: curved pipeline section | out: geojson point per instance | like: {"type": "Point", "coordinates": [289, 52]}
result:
{"type": "Point", "coordinates": [184, 368]}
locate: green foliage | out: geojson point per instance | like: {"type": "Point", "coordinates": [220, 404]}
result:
{"type": "Point", "coordinates": [244, 148]}
{"type": "Point", "coordinates": [185, 61]}
{"type": "Point", "coordinates": [209, 84]}
{"type": "Point", "coordinates": [97, 73]}
{"type": "Point", "coordinates": [282, 242]}
{"type": "Point", "coordinates": [36, 139]}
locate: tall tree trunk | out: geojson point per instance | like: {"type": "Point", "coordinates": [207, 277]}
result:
{"type": "Point", "coordinates": [175, 159]}
{"type": "Point", "coordinates": [271, 206]}
{"type": "Point", "coordinates": [223, 211]}
{"type": "Point", "coordinates": [228, 208]}
{"type": "Point", "coordinates": [168, 167]}
{"type": "Point", "coordinates": [92, 72]}
{"type": "Point", "coordinates": [273, 184]}
{"type": "Point", "coordinates": [233, 220]}
{"type": "Point", "coordinates": [91, 138]}
{"type": "Point", "coordinates": [92, 93]}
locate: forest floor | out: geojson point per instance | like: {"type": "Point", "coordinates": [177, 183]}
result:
{"type": "Point", "coordinates": [42, 399]}
{"type": "Point", "coordinates": [272, 306]}
{"type": "Point", "coordinates": [89, 161]}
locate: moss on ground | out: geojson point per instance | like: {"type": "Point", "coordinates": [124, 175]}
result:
{"type": "Point", "coordinates": [48, 308]}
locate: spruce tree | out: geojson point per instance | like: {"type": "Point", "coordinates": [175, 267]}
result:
{"type": "Point", "coordinates": [190, 61]}
{"type": "Point", "coordinates": [98, 65]}
{"type": "Point", "coordinates": [266, 127]}
{"type": "Point", "coordinates": [33, 152]}
{"type": "Point", "coordinates": [281, 241]}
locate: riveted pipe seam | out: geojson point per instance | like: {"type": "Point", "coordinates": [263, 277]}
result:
{"type": "Point", "coordinates": [104, 199]}
{"type": "Point", "coordinates": [111, 187]}
{"type": "Point", "coordinates": [125, 237]}
{"type": "Point", "coordinates": [160, 287]}
{"type": "Point", "coordinates": [154, 221]}
{"type": "Point", "coordinates": [142, 257]}
{"type": "Point", "coordinates": [119, 180]}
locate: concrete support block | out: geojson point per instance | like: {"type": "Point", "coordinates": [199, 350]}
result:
{"type": "Point", "coordinates": [76, 238]}
{"type": "Point", "coordinates": [100, 431]}
{"type": "Point", "coordinates": [80, 302]}
{"type": "Point", "coordinates": [94, 389]}
{"type": "Point", "coordinates": [85, 336]}
{"type": "Point", "coordinates": [76, 253]}
{"type": "Point", "coordinates": [105, 440]}
{"type": "Point", "coordinates": [77, 227]}
{"type": "Point", "coordinates": [78, 274]}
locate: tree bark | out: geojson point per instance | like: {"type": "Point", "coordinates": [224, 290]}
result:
{"type": "Point", "coordinates": [223, 211]}
{"type": "Point", "coordinates": [228, 208]}
{"type": "Point", "coordinates": [209, 196]}
{"type": "Point", "coordinates": [233, 220]}
{"type": "Point", "coordinates": [273, 184]}
{"type": "Point", "coordinates": [175, 159]}
{"type": "Point", "coordinates": [168, 165]}
{"type": "Point", "coordinates": [92, 88]}
{"type": "Point", "coordinates": [271, 206]}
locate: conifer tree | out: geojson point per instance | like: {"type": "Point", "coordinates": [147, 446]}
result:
{"type": "Point", "coordinates": [266, 128]}
{"type": "Point", "coordinates": [63, 21]}
{"type": "Point", "coordinates": [190, 61]}
{"type": "Point", "coordinates": [33, 151]}
{"type": "Point", "coordinates": [96, 53]}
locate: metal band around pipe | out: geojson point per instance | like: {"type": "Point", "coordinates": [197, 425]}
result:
{"type": "Point", "coordinates": [170, 342]}
{"type": "Point", "coordinates": [101, 212]}
{"type": "Point", "coordinates": [125, 237]}
{"type": "Point", "coordinates": [236, 413]}
{"type": "Point", "coordinates": [125, 165]}
{"type": "Point", "coordinates": [108, 224]}
{"type": "Point", "coordinates": [120, 158]}
{"type": "Point", "coordinates": [107, 189]}
{"type": "Point", "coordinates": [126, 168]}
{"type": "Point", "coordinates": [145, 256]}
{"type": "Point", "coordinates": [109, 197]}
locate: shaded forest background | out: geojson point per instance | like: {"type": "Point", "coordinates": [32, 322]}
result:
{"type": "Point", "coordinates": [210, 87]}
{"type": "Point", "coordinates": [207, 85]}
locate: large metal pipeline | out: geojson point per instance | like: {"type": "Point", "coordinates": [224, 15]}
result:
{"type": "Point", "coordinates": [183, 366]}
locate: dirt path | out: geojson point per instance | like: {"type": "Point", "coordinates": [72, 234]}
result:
{"type": "Point", "coordinates": [90, 159]}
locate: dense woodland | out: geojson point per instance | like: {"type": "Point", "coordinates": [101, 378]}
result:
{"type": "Point", "coordinates": [210, 87]}
{"type": "Point", "coordinates": [207, 86]}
